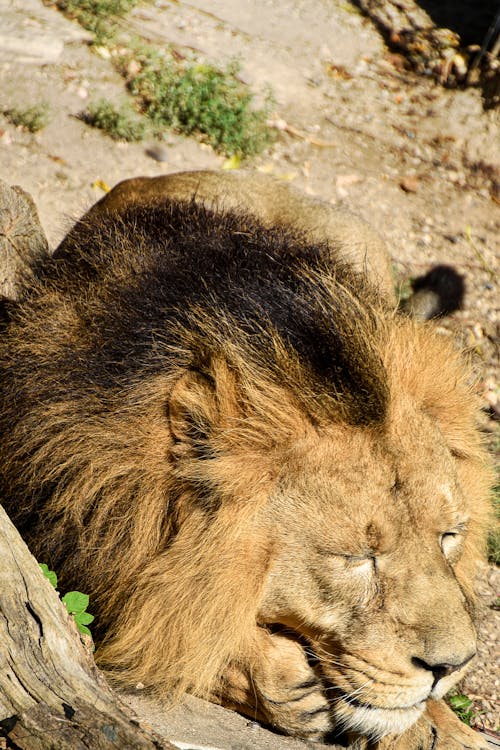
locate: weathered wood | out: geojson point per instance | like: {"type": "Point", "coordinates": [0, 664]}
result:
{"type": "Point", "coordinates": [440, 52]}
{"type": "Point", "coordinates": [51, 694]}
{"type": "Point", "coordinates": [408, 27]}
{"type": "Point", "coordinates": [22, 240]}
{"type": "Point", "coordinates": [397, 16]}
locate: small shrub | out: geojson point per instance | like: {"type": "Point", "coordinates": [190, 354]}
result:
{"type": "Point", "coordinates": [188, 97]}
{"type": "Point", "coordinates": [97, 16]}
{"type": "Point", "coordinates": [120, 124]}
{"type": "Point", "coordinates": [193, 98]}
{"type": "Point", "coordinates": [32, 118]}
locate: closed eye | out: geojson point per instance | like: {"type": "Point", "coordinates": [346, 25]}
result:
{"type": "Point", "coordinates": [360, 563]}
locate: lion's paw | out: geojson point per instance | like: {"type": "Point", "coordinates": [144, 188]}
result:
{"type": "Point", "coordinates": [438, 729]}
{"type": "Point", "coordinates": [279, 688]}
{"type": "Point", "coordinates": [301, 710]}
{"type": "Point", "coordinates": [451, 733]}
{"type": "Point", "coordinates": [290, 694]}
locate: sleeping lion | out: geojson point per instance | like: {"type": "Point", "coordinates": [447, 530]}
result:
{"type": "Point", "coordinates": [270, 483]}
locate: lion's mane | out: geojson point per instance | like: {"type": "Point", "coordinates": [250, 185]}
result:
{"type": "Point", "coordinates": [89, 462]}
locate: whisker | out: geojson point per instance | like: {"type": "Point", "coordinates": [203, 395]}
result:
{"type": "Point", "coordinates": [328, 658]}
{"type": "Point", "coordinates": [351, 697]}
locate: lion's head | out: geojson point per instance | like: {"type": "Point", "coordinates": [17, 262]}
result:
{"type": "Point", "coordinates": [216, 433]}
{"type": "Point", "coordinates": [371, 530]}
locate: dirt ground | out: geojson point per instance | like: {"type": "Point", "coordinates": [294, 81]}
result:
{"type": "Point", "coordinates": [420, 162]}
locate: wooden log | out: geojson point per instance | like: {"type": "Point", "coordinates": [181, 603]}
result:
{"type": "Point", "coordinates": [22, 240]}
{"type": "Point", "coordinates": [408, 27]}
{"type": "Point", "coordinates": [436, 51]}
{"type": "Point", "coordinates": [51, 694]}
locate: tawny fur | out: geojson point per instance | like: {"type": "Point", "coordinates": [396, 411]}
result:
{"type": "Point", "coordinates": [141, 458]}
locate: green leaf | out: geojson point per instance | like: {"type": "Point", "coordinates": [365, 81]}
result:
{"type": "Point", "coordinates": [83, 618]}
{"type": "Point", "coordinates": [50, 575]}
{"type": "Point", "coordinates": [75, 602]}
{"type": "Point", "coordinates": [83, 629]}
{"type": "Point", "coordinates": [460, 702]}
{"type": "Point", "coordinates": [234, 162]}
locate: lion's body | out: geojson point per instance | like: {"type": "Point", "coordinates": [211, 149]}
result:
{"type": "Point", "coordinates": [274, 203]}
{"type": "Point", "coordinates": [220, 430]}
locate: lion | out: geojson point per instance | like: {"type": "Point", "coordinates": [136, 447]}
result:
{"type": "Point", "coordinates": [270, 482]}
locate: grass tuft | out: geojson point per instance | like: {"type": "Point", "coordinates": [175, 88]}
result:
{"type": "Point", "coordinates": [32, 118]}
{"type": "Point", "coordinates": [121, 124]}
{"type": "Point", "coordinates": [200, 99]}
{"type": "Point", "coordinates": [97, 16]}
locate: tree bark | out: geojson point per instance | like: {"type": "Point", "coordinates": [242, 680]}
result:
{"type": "Point", "coordinates": [51, 695]}
{"type": "Point", "coordinates": [22, 239]}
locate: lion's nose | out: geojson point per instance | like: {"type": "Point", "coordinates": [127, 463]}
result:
{"type": "Point", "coordinates": [441, 670]}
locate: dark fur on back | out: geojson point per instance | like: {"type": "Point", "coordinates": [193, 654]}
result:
{"type": "Point", "coordinates": [154, 273]}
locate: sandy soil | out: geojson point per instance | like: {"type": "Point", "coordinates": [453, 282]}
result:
{"type": "Point", "coordinates": [421, 163]}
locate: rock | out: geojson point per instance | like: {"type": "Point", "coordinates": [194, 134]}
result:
{"type": "Point", "coordinates": [32, 33]}
{"type": "Point", "coordinates": [30, 49]}
{"type": "Point", "coordinates": [409, 184]}
{"type": "Point", "coordinates": [158, 152]}
{"type": "Point", "coordinates": [198, 725]}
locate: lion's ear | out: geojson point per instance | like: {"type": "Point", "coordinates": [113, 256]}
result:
{"type": "Point", "coordinates": [192, 413]}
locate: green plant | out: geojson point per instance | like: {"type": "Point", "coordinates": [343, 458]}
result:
{"type": "Point", "coordinates": [120, 124]}
{"type": "Point", "coordinates": [32, 118]}
{"type": "Point", "coordinates": [189, 97]}
{"type": "Point", "coordinates": [403, 288]}
{"type": "Point", "coordinates": [50, 575]}
{"type": "Point", "coordinates": [198, 98]}
{"type": "Point", "coordinates": [462, 705]}
{"type": "Point", "coordinates": [98, 16]}
{"type": "Point", "coordinates": [75, 602]}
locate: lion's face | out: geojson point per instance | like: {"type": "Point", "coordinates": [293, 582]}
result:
{"type": "Point", "coordinates": [367, 530]}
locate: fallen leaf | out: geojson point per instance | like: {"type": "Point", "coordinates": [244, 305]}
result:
{"type": "Point", "coordinates": [337, 71]}
{"type": "Point", "coordinates": [101, 185]}
{"type": "Point", "coordinates": [234, 162]}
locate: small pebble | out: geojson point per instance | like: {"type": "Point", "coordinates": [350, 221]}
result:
{"type": "Point", "coordinates": [409, 184]}
{"type": "Point", "coordinates": [158, 152]}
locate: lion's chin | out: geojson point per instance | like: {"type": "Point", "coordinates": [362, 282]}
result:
{"type": "Point", "coordinates": [372, 721]}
